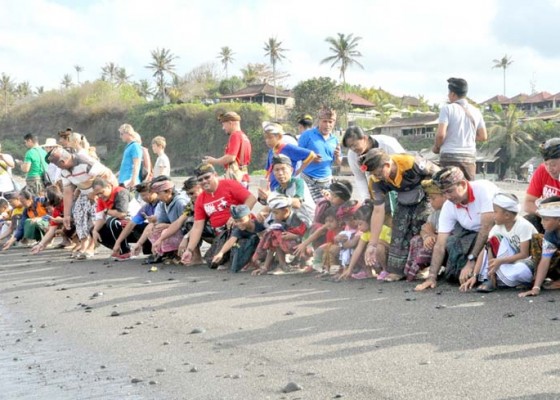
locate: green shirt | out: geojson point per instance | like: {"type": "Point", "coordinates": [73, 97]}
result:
{"type": "Point", "coordinates": [36, 157]}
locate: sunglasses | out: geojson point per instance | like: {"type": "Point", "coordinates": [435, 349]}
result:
{"type": "Point", "coordinates": [204, 178]}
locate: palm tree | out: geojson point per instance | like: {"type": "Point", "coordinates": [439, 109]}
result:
{"type": "Point", "coordinates": [143, 88]}
{"type": "Point", "coordinates": [507, 133]}
{"type": "Point", "coordinates": [23, 89]}
{"type": "Point", "coordinates": [122, 77]}
{"type": "Point", "coordinates": [162, 63]}
{"type": "Point", "coordinates": [39, 90]}
{"type": "Point", "coordinates": [7, 87]}
{"type": "Point", "coordinates": [226, 58]}
{"type": "Point", "coordinates": [78, 69]}
{"type": "Point", "coordinates": [274, 51]}
{"type": "Point", "coordinates": [66, 81]}
{"type": "Point", "coordinates": [109, 72]}
{"type": "Point", "coordinates": [344, 49]}
{"type": "Point", "coordinates": [503, 63]}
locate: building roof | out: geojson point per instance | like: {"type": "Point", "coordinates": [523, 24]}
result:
{"type": "Point", "coordinates": [520, 98]}
{"type": "Point", "coordinates": [497, 99]}
{"type": "Point", "coordinates": [547, 115]}
{"type": "Point", "coordinates": [256, 90]}
{"type": "Point", "coordinates": [488, 155]}
{"type": "Point", "coordinates": [535, 161]}
{"type": "Point", "coordinates": [410, 101]}
{"type": "Point", "coordinates": [357, 101]}
{"type": "Point", "coordinates": [426, 119]}
{"type": "Point", "coordinates": [538, 97]}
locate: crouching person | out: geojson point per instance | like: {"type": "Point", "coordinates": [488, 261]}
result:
{"type": "Point", "coordinates": [166, 235]}
{"type": "Point", "coordinates": [282, 236]}
{"type": "Point", "coordinates": [243, 241]}
{"type": "Point", "coordinates": [111, 216]}
{"type": "Point", "coordinates": [506, 261]}
{"type": "Point", "coordinates": [548, 264]}
{"type": "Point", "coordinates": [213, 204]}
{"type": "Point", "coordinates": [34, 221]}
{"type": "Point", "coordinates": [137, 229]}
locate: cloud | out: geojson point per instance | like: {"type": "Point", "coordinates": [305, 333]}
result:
{"type": "Point", "coordinates": [408, 47]}
{"type": "Point", "coordinates": [529, 24]}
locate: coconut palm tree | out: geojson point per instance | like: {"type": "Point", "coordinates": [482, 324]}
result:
{"type": "Point", "coordinates": [122, 77]}
{"type": "Point", "coordinates": [226, 58]}
{"type": "Point", "coordinates": [144, 89]}
{"type": "Point", "coordinates": [23, 89]}
{"type": "Point", "coordinates": [162, 63]}
{"type": "Point", "coordinates": [273, 49]}
{"type": "Point", "coordinates": [78, 69]}
{"type": "Point", "coordinates": [7, 87]}
{"type": "Point", "coordinates": [109, 72]}
{"type": "Point", "coordinates": [503, 63]}
{"type": "Point", "coordinates": [66, 81]}
{"type": "Point", "coordinates": [345, 52]}
{"type": "Point", "coordinates": [508, 134]}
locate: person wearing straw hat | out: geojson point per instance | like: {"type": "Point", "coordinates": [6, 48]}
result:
{"type": "Point", "coordinates": [52, 169]}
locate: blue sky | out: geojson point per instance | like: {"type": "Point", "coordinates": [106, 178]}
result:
{"type": "Point", "coordinates": [409, 48]}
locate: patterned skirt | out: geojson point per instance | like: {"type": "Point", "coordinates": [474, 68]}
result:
{"type": "Point", "coordinates": [407, 223]}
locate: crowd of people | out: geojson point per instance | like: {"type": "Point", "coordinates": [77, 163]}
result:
{"type": "Point", "coordinates": [403, 217]}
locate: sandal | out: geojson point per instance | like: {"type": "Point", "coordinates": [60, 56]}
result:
{"type": "Point", "coordinates": [393, 278]}
{"type": "Point", "coordinates": [83, 256]}
{"type": "Point", "coordinates": [486, 287]}
{"type": "Point", "coordinates": [360, 275]}
{"type": "Point", "coordinates": [153, 259]}
{"type": "Point", "coordinates": [382, 275]}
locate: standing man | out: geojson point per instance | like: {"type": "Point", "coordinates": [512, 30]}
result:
{"type": "Point", "coordinates": [238, 150]}
{"type": "Point", "coordinates": [129, 173]}
{"type": "Point", "coordinates": [460, 126]}
{"type": "Point", "coordinates": [33, 164]}
{"type": "Point", "coordinates": [320, 140]}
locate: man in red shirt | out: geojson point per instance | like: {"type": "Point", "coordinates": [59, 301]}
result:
{"type": "Point", "coordinates": [213, 204]}
{"type": "Point", "coordinates": [545, 181]}
{"type": "Point", "coordinates": [238, 150]}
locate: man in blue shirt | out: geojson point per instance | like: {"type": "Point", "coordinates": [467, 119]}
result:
{"type": "Point", "coordinates": [129, 173]}
{"type": "Point", "coordinates": [320, 140]}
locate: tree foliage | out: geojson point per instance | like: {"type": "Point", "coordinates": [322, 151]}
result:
{"type": "Point", "coordinates": [162, 65]}
{"type": "Point", "coordinates": [312, 94]}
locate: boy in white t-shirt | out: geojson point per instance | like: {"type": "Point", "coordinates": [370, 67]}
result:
{"type": "Point", "coordinates": [506, 261]}
{"type": "Point", "coordinates": [162, 165]}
